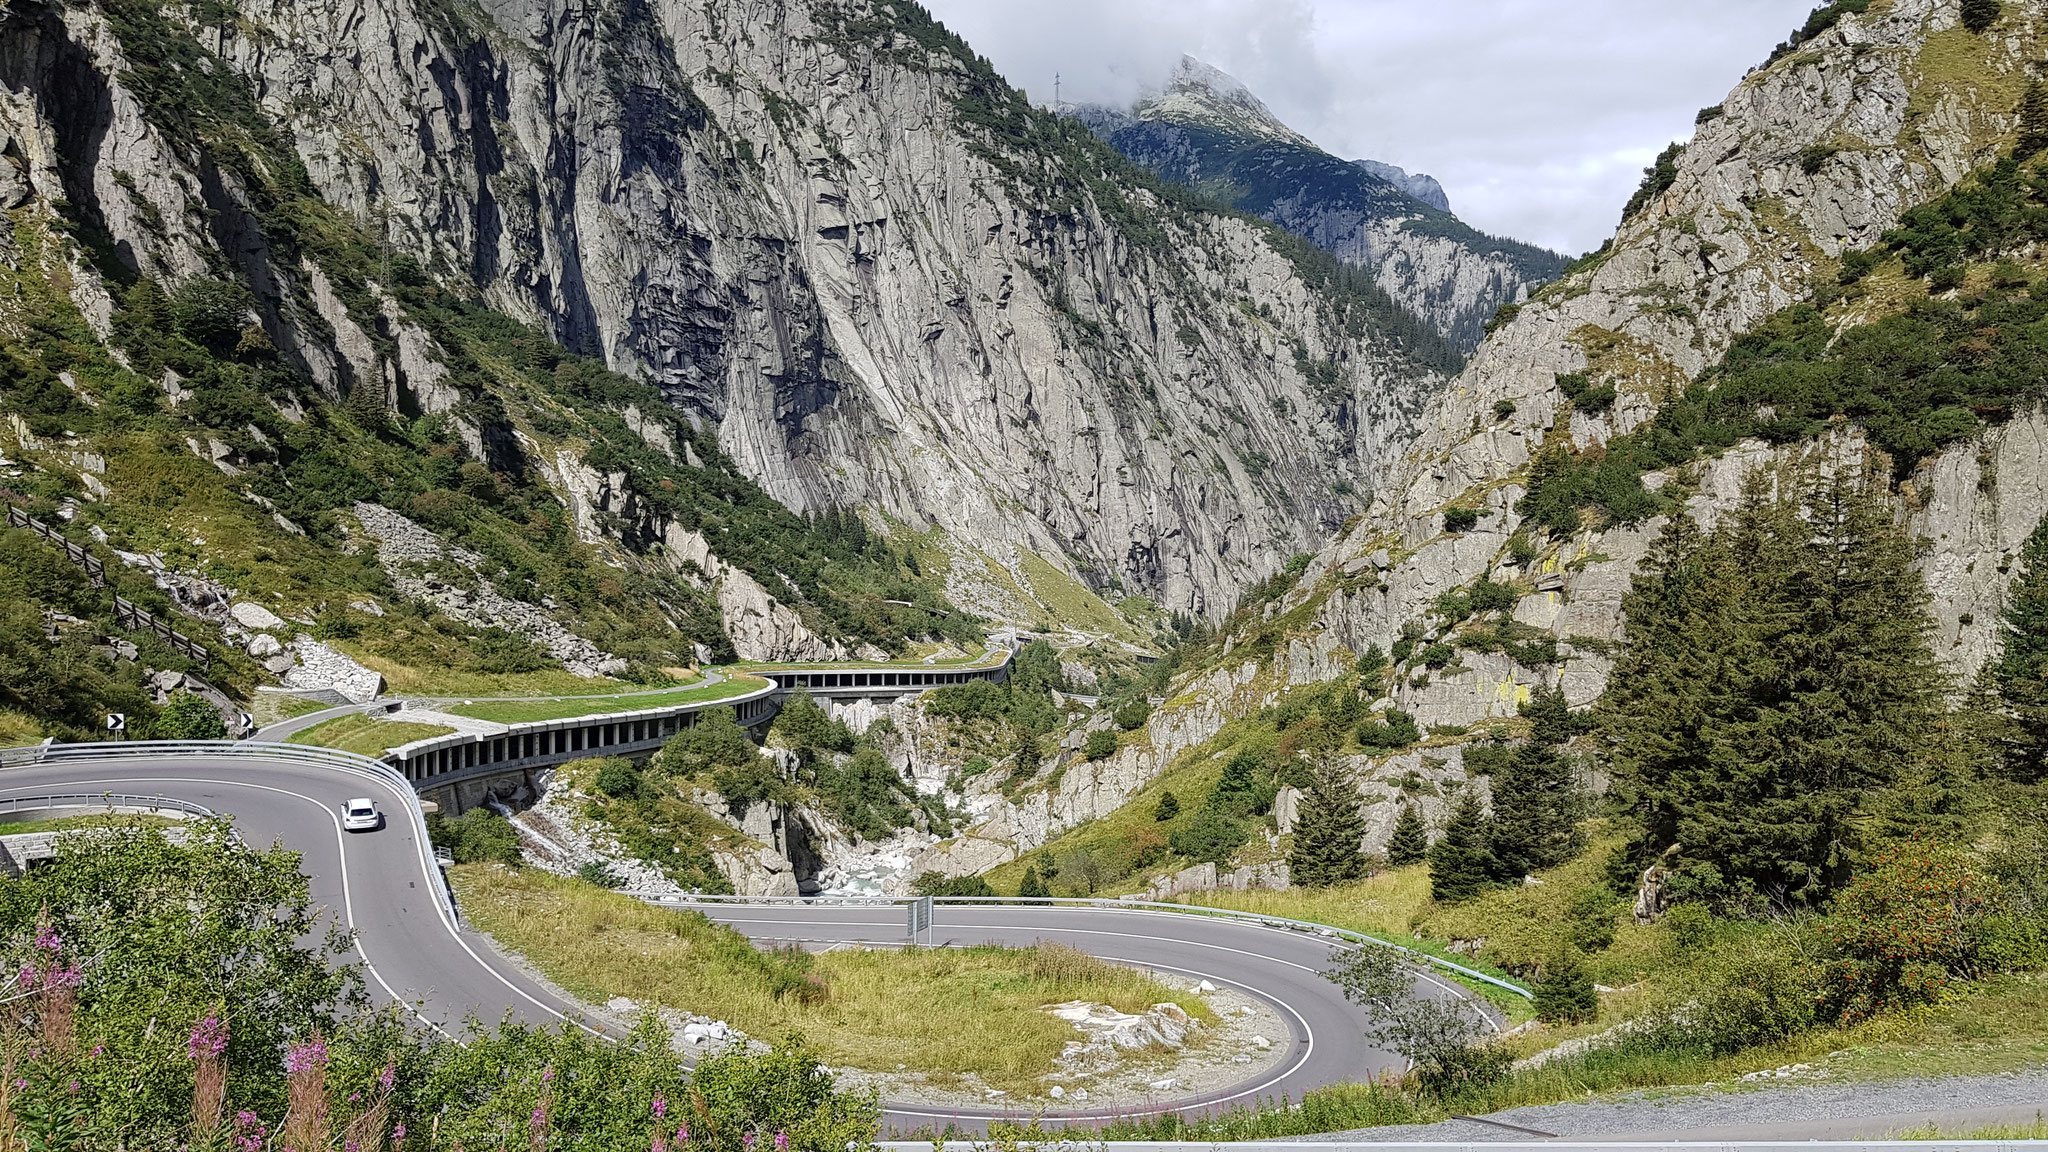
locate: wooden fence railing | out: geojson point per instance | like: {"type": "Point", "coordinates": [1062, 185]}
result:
{"type": "Point", "coordinates": [130, 614]}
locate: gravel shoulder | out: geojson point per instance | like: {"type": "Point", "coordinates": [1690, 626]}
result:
{"type": "Point", "coordinates": [1812, 1110]}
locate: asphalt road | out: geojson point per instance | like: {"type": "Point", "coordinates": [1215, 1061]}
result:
{"type": "Point", "coordinates": [1280, 967]}
{"type": "Point", "coordinates": [379, 886]}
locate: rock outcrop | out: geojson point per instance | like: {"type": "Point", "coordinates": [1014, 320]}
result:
{"type": "Point", "coordinates": [418, 562]}
{"type": "Point", "coordinates": [1207, 130]}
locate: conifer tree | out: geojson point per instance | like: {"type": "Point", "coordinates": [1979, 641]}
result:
{"type": "Point", "coordinates": [1167, 808]}
{"type": "Point", "coordinates": [1329, 831]}
{"type": "Point", "coordinates": [2019, 676]}
{"type": "Point", "coordinates": [1979, 15]}
{"type": "Point", "coordinates": [1459, 866]}
{"type": "Point", "coordinates": [1536, 803]}
{"type": "Point", "coordinates": [2033, 121]}
{"type": "Point", "coordinates": [1536, 809]}
{"type": "Point", "coordinates": [1032, 886]}
{"type": "Point", "coordinates": [1777, 674]}
{"type": "Point", "coordinates": [1566, 995]}
{"type": "Point", "coordinates": [1410, 842]}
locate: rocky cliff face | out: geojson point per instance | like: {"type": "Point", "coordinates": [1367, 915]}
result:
{"type": "Point", "coordinates": [1420, 185]}
{"type": "Point", "coordinates": [1814, 154]}
{"type": "Point", "coordinates": [827, 231]}
{"type": "Point", "coordinates": [1206, 130]}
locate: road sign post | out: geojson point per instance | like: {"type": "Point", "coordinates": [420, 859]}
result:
{"type": "Point", "coordinates": [920, 917]}
{"type": "Point", "coordinates": [117, 723]}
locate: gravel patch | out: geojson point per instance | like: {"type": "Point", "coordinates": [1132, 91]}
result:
{"type": "Point", "coordinates": [1789, 1110]}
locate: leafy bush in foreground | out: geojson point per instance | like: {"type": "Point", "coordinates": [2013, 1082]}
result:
{"type": "Point", "coordinates": [181, 995]}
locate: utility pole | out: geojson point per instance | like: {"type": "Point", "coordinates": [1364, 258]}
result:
{"type": "Point", "coordinates": [1055, 93]}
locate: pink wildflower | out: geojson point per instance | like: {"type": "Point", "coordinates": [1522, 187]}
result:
{"type": "Point", "coordinates": [306, 1057]}
{"type": "Point", "coordinates": [209, 1037]}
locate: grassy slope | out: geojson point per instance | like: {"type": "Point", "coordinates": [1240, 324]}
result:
{"type": "Point", "coordinates": [520, 711]}
{"type": "Point", "coordinates": [885, 1008]}
{"type": "Point", "coordinates": [74, 823]}
{"type": "Point", "coordinates": [360, 734]}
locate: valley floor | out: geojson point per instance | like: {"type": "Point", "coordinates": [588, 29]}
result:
{"type": "Point", "coordinates": [2014, 1103]}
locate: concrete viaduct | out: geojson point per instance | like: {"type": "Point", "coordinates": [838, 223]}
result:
{"type": "Point", "coordinates": [457, 771]}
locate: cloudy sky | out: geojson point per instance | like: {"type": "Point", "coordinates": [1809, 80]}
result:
{"type": "Point", "coordinates": [1537, 115]}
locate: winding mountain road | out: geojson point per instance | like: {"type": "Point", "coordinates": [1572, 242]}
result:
{"type": "Point", "coordinates": [383, 888]}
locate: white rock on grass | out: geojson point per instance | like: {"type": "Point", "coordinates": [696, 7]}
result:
{"type": "Point", "coordinates": [264, 646]}
{"type": "Point", "coordinates": [250, 614]}
{"type": "Point", "coordinates": [1165, 1025]}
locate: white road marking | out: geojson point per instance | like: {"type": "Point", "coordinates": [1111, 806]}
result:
{"type": "Point", "coordinates": [347, 900]}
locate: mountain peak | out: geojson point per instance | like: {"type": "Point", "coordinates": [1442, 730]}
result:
{"type": "Point", "coordinates": [1420, 185]}
{"type": "Point", "coordinates": [1199, 92]}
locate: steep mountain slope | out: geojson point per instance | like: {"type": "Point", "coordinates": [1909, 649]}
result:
{"type": "Point", "coordinates": [1461, 600]}
{"type": "Point", "coordinates": [236, 390]}
{"type": "Point", "coordinates": [1208, 131]}
{"type": "Point", "coordinates": [1875, 109]}
{"type": "Point", "coordinates": [828, 232]}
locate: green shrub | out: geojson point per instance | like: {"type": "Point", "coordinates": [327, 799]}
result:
{"type": "Point", "coordinates": [1585, 395]}
{"type": "Point", "coordinates": [933, 884]}
{"type": "Point", "coordinates": [618, 778]}
{"type": "Point", "coordinates": [595, 872]}
{"type": "Point", "coordinates": [1246, 787]}
{"type": "Point", "coordinates": [1211, 835]}
{"type": "Point", "coordinates": [1131, 715]}
{"type": "Point", "coordinates": [1100, 743]}
{"type": "Point", "coordinates": [1502, 409]}
{"type": "Point", "coordinates": [754, 1098]}
{"type": "Point", "coordinates": [1565, 995]}
{"type": "Point", "coordinates": [1395, 729]}
{"type": "Point", "coordinates": [715, 740]}
{"type": "Point", "coordinates": [189, 716]}
{"type": "Point", "coordinates": [1924, 920]}
{"type": "Point", "coordinates": [1167, 808]}
{"type": "Point", "coordinates": [867, 794]}
{"type": "Point", "coordinates": [478, 836]}
{"type": "Point", "coordinates": [1457, 519]}
{"type": "Point", "coordinates": [751, 782]}
{"type": "Point", "coordinates": [1033, 886]}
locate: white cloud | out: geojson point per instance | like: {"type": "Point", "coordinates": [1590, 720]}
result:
{"type": "Point", "coordinates": [1538, 117]}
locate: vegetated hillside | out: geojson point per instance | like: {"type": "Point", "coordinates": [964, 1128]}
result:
{"type": "Point", "coordinates": [237, 394]}
{"type": "Point", "coordinates": [1736, 533]}
{"type": "Point", "coordinates": [1671, 355]}
{"type": "Point", "coordinates": [845, 250]}
{"type": "Point", "coordinates": [1207, 131]}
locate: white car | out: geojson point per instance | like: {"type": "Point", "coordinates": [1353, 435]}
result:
{"type": "Point", "coordinates": [361, 815]}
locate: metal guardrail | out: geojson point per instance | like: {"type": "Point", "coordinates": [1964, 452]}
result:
{"type": "Point", "coordinates": [1279, 923]}
{"type": "Point", "coordinates": [107, 800]}
{"type": "Point", "coordinates": [44, 754]}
